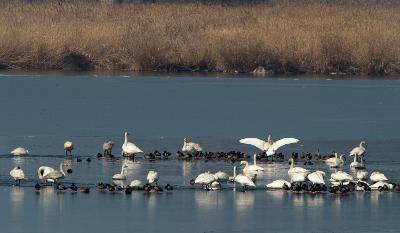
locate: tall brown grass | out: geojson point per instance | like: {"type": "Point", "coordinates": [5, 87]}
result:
{"type": "Point", "coordinates": [283, 38]}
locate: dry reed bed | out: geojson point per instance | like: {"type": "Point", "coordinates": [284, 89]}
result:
{"type": "Point", "coordinates": [282, 38]}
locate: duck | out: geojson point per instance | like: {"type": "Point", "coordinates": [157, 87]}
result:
{"type": "Point", "coordinates": [268, 146]}
{"type": "Point", "coordinates": [336, 161]}
{"type": "Point", "coordinates": [168, 187]}
{"type": "Point", "coordinates": [205, 179]}
{"type": "Point", "coordinates": [84, 189]}
{"type": "Point", "coordinates": [243, 180]}
{"type": "Point", "coordinates": [152, 177]}
{"type": "Point", "coordinates": [60, 187]}
{"type": "Point", "coordinates": [18, 174]}
{"type": "Point", "coordinates": [73, 187]}
{"type": "Point", "coordinates": [278, 184]}
{"type": "Point", "coordinates": [128, 148]}
{"type": "Point", "coordinates": [19, 151]}
{"type": "Point", "coordinates": [316, 177]}
{"type": "Point", "coordinates": [37, 187]}
{"type": "Point", "coordinates": [377, 176]}
{"type": "Point", "coordinates": [359, 150]}
{"type": "Point", "coordinates": [121, 175]}
{"type": "Point", "coordinates": [107, 147]}
{"type": "Point", "coordinates": [68, 147]}
{"type": "Point", "coordinates": [191, 147]}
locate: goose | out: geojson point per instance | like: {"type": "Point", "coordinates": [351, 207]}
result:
{"type": "Point", "coordinates": [340, 177]}
{"type": "Point", "coordinates": [243, 180]}
{"type": "Point", "coordinates": [68, 147]}
{"type": "Point", "coordinates": [269, 146]}
{"type": "Point", "coordinates": [293, 170]}
{"type": "Point", "coordinates": [316, 177]}
{"type": "Point", "coordinates": [359, 150]}
{"type": "Point", "coordinates": [191, 147]}
{"type": "Point", "coordinates": [44, 171]}
{"type": "Point", "coordinates": [205, 179]}
{"type": "Point", "coordinates": [121, 175]}
{"type": "Point", "coordinates": [356, 164]}
{"type": "Point", "coordinates": [361, 174]}
{"type": "Point", "coordinates": [336, 161]}
{"type": "Point", "coordinates": [128, 148]}
{"type": "Point", "coordinates": [55, 175]}
{"type": "Point", "coordinates": [18, 174]}
{"type": "Point", "coordinates": [107, 147]}
{"type": "Point", "coordinates": [250, 169]}
{"type": "Point", "coordinates": [152, 177]}
{"type": "Point", "coordinates": [278, 184]}
{"type": "Point", "coordinates": [19, 151]}
{"type": "Point", "coordinates": [377, 176]}
{"type": "Point", "coordinates": [136, 184]}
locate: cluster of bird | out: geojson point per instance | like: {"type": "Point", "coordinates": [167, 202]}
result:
{"type": "Point", "coordinates": [301, 179]}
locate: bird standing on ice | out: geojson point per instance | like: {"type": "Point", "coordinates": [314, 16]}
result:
{"type": "Point", "coordinates": [19, 151]}
{"type": "Point", "coordinates": [191, 147]}
{"type": "Point", "coordinates": [128, 148]}
{"type": "Point", "coordinates": [18, 174]}
{"type": "Point", "coordinates": [268, 146]}
{"type": "Point", "coordinates": [68, 147]}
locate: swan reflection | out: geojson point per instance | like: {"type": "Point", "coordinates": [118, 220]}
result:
{"type": "Point", "coordinates": [244, 200]}
{"type": "Point", "coordinates": [17, 196]}
{"type": "Point", "coordinates": [209, 200]}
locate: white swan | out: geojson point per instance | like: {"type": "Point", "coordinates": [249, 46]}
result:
{"type": "Point", "coordinates": [298, 177]}
{"type": "Point", "coordinates": [293, 170]}
{"type": "Point", "coordinates": [18, 174]}
{"type": "Point", "coordinates": [205, 179]}
{"type": "Point", "coordinates": [128, 148]}
{"type": "Point", "coordinates": [221, 177]}
{"type": "Point", "coordinates": [152, 177]}
{"type": "Point", "coordinates": [278, 184]}
{"type": "Point", "coordinates": [68, 147]}
{"type": "Point", "coordinates": [55, 175]}
{"type": "Point", "coordinates": [191, 147]}
{"type": "Point", "coordinates": [336, 161]}
{"type": "Point", "coordinates": [377, 176]}
{"type": "Point", "coordinates": [361, 174]}
{"type": "Point", "coordinates": [359, 150]}
{"type": "Point", "coordinates": [357, 164]}
{"type": "Point", "coordinates": [269, 146]}
{"type": "Point", "coordinates": [250, 169]}
{"type": "Point", "coordinates": [135, 184]}
{"type": "Point", "coordinates": [378, 184]}
{"type": "Point", "coordinates": [243, 180]}
{"type": "Point", "coordinates": [107, 147]}
{"type": "Point", "coordinates": [121, 175]}
{"type": "Point", "coordinates": [340, 177]}
{"type": "Point", "coordinates": [19, 151]}
{"type": "Point", "coordinates": [44, 171]}
{"type": "Point", "coordinates": [316, 177]}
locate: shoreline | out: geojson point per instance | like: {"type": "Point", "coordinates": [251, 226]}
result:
{"type": "Point", "coordinates": [260, 39]}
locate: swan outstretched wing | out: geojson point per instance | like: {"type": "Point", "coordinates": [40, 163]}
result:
{"type": "Point", "coordinates": [284, 141]}
{"type": "Point", "coordinates": [260, 144]}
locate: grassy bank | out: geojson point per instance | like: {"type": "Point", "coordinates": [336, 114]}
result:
{"type": "Point", "coordinates": [283, 38]}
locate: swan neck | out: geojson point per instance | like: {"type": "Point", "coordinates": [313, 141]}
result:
{"type": "Point", "coordinates": [126, 139]}
{"type": "Point", "coordinates": [61, 169]}
{"type": "Point", "coordinates": [122, 168]}
{"type": "Point", "coordinates": [234, 172]}
{"type": "Point", "coordinates": [255, 159]}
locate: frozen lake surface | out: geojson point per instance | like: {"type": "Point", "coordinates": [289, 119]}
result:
{"type": "Point", "coordinates": [41, 111]}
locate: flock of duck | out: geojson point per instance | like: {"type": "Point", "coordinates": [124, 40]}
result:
{"type": "Point", "coordinates": [300, 178]}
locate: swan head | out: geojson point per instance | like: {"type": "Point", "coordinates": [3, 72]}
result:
{"type": "Point", "coordinates": [126, 134]}
{"type": "Point", "coordinates": [363, 143]}
{"type": "Point", "coordinates": [184, 140]}
{"type": "Point", "coordinates": [245, 163]}
{"type": "Point", "coordinates": [290, 160]}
